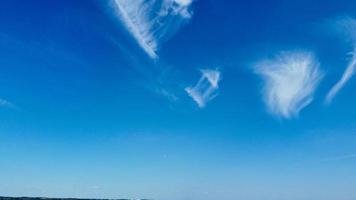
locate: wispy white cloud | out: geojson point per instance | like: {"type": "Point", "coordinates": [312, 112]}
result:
{"type": "Point", "coordinates": [150, 21]}
{"type": "Point", "coordinates": [347, 27]}
{"type": "Point", "coordinates": [206, 88]}
{"type": "Point", "coordinates": [290, 80]}
{"type": "Point", "coordinates": [349, 72]}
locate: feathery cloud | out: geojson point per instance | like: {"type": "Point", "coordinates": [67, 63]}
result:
{"type": "Point", "coordinates": [348, 28]}
{"type": "Point", "coordinates": [290, 81]}
{"type": "Point", "coordinates": [206, 88]}
{"type": "Point", "coordinates": [151, 21]}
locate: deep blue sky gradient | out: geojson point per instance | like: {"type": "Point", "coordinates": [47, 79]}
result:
{"type": "Point", "coordinates": [89, 121]}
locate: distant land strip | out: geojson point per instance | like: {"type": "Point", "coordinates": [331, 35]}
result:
{"type": "Point", "coordinates": [46, 198]}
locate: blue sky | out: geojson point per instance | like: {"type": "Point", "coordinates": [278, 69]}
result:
{"type": "Point", "coordinates": [178, 99]}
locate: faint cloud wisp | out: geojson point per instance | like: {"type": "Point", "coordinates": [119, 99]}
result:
{"type": "Point", "coordinates": [290, 80]}
{"type": "Point", "coordinates": [206, 88]}
{"type": "Point", "coordinates": [6, 104]}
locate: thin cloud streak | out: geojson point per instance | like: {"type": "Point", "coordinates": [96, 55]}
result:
{"type": "Point", "coordinates": [344, 157]}
{"type": "Point", "coordinates": [349, 72]}
{"type": "Point", "coordinates": [150, 21]}
{"type": "Point", "coordinates": [347, 28]}
{"type": "Point", "coordinates": [206, 88]}
{"type": "Point", "coordinates": [290, 80]}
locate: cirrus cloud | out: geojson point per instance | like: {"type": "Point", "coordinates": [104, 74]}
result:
{"type": "Point", "coordinates": [290, 80]}
{"type": "Point", "coordinates": [151, 21]}
{"type": "Point", "coordinates": [347, 75]}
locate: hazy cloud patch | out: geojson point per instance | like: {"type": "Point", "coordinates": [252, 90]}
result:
{"type": "Point", "coordinates": [6, 104]}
